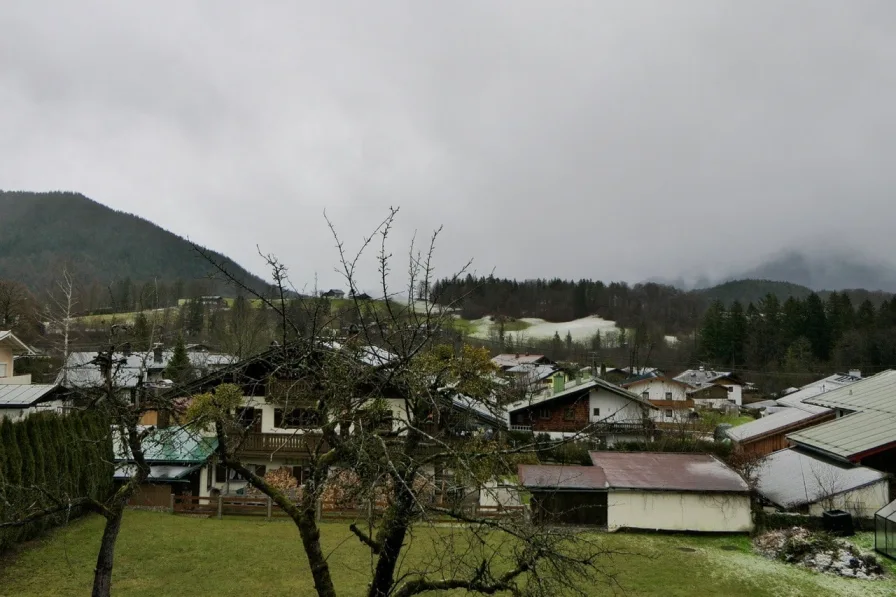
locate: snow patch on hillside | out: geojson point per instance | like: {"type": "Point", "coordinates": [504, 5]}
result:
{"type": "Point", "coordinates": [581, 330]}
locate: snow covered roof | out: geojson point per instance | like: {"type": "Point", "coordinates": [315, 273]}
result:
{"type": "Point", "coordinates": [81, 369]}
{"type": "Point", "coordinates": [506, 361]}
{"type": "Point", "coordinates": [703, 377]}
{"type": "Point", "coordinates": [815, 388]}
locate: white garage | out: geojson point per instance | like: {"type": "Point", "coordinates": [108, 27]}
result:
{"type": "Point", "coordinates": [673, 492]}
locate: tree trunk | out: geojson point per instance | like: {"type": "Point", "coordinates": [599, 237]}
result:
{"type": "Point", "coordinates": [102, 577]}
{"type": "Point", "coordinates": [320, 570]}
{"type": "Point", "coordinates": [395, 529]}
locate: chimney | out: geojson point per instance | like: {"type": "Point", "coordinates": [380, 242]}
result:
{"type": "Point", "coordinates": [157, 353]}
{"type": "Point", "coordinates": [855, 373]}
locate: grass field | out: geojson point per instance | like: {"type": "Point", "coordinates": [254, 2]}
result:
{"type": "Point", "coordinates": [160, 554]}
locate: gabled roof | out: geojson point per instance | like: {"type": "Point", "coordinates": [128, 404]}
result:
{"type": "Point", "coordinates": [790, 478]}
{"type": "Point", "coordinates": [512, 360]}
{"type": "Point", "coordinates": [25, 395]}
{"type": "Point", "coordinates": [702, 377]}
{"type": "Point", "coordinates": [561, 478]}
{"type": "Point", "coordinates": [668, 471]}
{"type": "Point", "coordinates": [649, 378]}
{"type": "Point", "coordinates": [875, 394]}
{"type": "Point", "coordinates": [18, 347]}
{"type": "Point", "coordinates": [532, 372]}
{"type": "Point", "coordinates": [573, 388]}
{"type": "Point", "coordinates": [852, 437]}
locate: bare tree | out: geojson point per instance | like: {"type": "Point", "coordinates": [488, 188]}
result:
{"type": "Point", "coordinates": [391, 413]}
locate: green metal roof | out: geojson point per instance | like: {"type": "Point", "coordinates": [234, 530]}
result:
{"type": "Point", "coordinates": [876, 393]}
{"type": "Point", "coordinates": [172, 445]}
{"type": "Point", "coordinates": [850, 437]}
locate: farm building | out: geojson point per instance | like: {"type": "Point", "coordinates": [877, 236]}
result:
{"type": "Point", "coordinates": [642, 490]}
{"type": "Point", "coordinates": [566, 494]}
{"type": "Point", "coordinates": [792, 480]}
{"type": "Point", "coordinates": [674, 492]}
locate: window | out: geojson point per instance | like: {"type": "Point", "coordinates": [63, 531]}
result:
{"type": "Point", "coordinates": [544, 413]}
{"type": "Point", "coordinates": [223, 474]}
{"type": "Point", "coordinates": [596, 412]}
{"type": "Point", "coordinates": [2, 369]}
{"type": "Point", "coordinates": [668, 413]}
{"type": "Point", "coordinates": [729, 388]}
{"type": "Point", "coordinates": [668, 395]}
{"type": "Point", "coordinates": [296, 418]}
{"type": "Point", "coordinates": [301, 473]}
{"type": "Point", "coordinates": [645, 395]}
{"type": "Point", "coordinates": [569, 414]}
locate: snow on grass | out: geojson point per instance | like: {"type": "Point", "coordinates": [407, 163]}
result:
{"type": "Point", "coordinates": [581, 330]}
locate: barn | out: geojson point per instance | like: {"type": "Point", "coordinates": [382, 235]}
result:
{"type": "Point", "coordinates": [561, 494]}
{"type": "Point", "coordinates": [674, 492]}
{"type": "Point", "coordinates": [641, 490]}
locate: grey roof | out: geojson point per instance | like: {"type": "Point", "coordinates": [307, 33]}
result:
{"type": "Point", "coordinates": [702, 377]}
{"type": "Point", "coordinates": [775, 422]}
{"type": "Point", "coordinates": [23, 395]}
{"type": "Point", "coordinates": [668, 471]}
{"type": "Point", "coordinates": [159, 472]}
{"type": "Point", "coordinates": [876, 393]}
{"type": "Point", "coordinates": [815, 388]}
{"type": "Point", "coordinates": [762, 404]}
{"type": "Point", "coordinates": [512, 360]}
{"type": "Point", "coordinates": [851, 437]}
{"type": "Point", "coordinates": [560, 478]}
{"type": "Point", "coordinates": [81, 371]}
{"type": "Point", "coordinates": [532, 373]}
{"type": "Point", "coordinates": [574, 387]}
{"type": "Point", "coordinates": [790, 478]}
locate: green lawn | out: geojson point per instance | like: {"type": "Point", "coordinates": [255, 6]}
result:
{"type": "Point", "coordinates": [160, 554]}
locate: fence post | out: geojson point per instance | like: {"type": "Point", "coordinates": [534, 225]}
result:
{"type": "Point", "coordinates": [172, 503]}
{"type": "Point", "coordinates": [270, 504]}
{"type": "Point", "coordinates": [220, 507]}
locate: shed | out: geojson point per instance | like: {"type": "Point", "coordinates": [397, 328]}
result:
{"type": "Point", "coordinates": [793, 480]}
{"type": "Point", "coordinates": [885, 530]}
{"type": "Point", "coordinates": [566, 494]}
{"type": "Point", "coordinates": [673, 492]}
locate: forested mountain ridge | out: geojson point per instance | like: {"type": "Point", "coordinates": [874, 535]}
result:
{"type": "Point", "coordinates": [42, 232]}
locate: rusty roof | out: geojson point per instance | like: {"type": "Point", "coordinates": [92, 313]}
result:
{"type": "Point", "coordinates": [668, 472]}
{"type": "Point", "coordinates": [561, 478]}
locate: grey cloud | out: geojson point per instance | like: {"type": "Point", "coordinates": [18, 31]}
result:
{"type": "Point", "coordinates": [613, 140]}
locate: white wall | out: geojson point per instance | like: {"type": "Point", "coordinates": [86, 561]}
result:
{"type": "Point", "coordinates": [679, 511]}
{"type": "Point", "coordinates": [658, 388]}
{"type": "Point", "coordinates": [613, 407]}
{"type": "Point", "coordinates": [862, 502]}
{"type": "Point", "coordinates": [20, 414]}
{"type": "Point", "coordinates": [736, 394]}
{"type": "Point", "coordinates": [495, 493]}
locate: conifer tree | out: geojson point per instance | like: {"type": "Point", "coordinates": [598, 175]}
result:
{"type": "Point", "coordinates": [179, 369]}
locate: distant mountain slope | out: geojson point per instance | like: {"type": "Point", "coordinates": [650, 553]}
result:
{"type": "Point", "coordinates": [825, 270]}
{"type": "Point", "coordinates": [40, 232]}
{"type": "Point", "coordinates": [752, 291]}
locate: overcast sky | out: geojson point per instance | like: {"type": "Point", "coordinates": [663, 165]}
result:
{"type": "Point", "coordinates": [610, 140]}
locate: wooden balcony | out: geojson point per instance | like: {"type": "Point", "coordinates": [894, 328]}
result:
{"type": "Point", "coordinates": [287, 445]}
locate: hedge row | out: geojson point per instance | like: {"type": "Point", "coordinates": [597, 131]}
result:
{"type": "Point", "coordinates": [49, 457]}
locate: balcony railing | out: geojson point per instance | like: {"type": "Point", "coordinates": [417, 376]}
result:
{"type": "Point", "coordinates": [286, 444]}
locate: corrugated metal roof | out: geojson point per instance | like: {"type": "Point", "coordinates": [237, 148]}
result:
{"type": "Point", "coordinates": [851, 436]}
{"type": "Point", "coordinates": [828, 384]}
{"type": "Point", "coordinates": [172, 444]}
{"type": "Point", "coordinates": [668, 471]}
{"type": "Point", "coordinates": [558, 477]}
{"type": "Point", "coordinates": [789, 478]}
{"type": "Point", "coordinates": [23, 395]}
{"type": "Point", "coordinates": [876, 393]}
{"type": "Point", "coordinates": [775, 422]}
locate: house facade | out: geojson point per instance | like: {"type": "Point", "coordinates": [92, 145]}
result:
{"type": "Point", "coordinates": [594, 406]}
{"type": "Point", "coordinates": [705, 383]}
{"type": "Point", "coordinates": [670, 397]}
{"type": "Point", "coordinates": [10, 347]}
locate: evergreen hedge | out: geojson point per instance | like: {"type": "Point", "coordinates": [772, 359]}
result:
{"type": "Point", "coordinates": [67, 457]}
